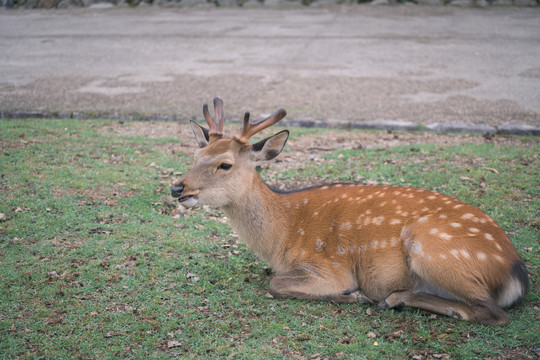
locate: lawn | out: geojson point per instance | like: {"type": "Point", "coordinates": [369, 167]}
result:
{"type": "Point", "coordinates": [97, 261]}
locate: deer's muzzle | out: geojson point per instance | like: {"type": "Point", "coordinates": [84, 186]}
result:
{"type": "Point", "coordinates": [176, 191]}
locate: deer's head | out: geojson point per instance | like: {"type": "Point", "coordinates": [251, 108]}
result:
{"type": "Point", "coordinates": [223, 167]}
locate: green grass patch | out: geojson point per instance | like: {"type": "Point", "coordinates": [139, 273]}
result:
{"type": "Point", "coordinates": [93, 265]}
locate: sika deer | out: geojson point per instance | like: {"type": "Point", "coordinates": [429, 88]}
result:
{"type": "Point", "coordinates": [397, 246]}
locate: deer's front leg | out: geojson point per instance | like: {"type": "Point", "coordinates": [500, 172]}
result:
{"type": "Point", "coordinates": [306, 283]}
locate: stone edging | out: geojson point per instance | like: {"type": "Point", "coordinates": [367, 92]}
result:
{"type": "Point", "coordinates": [438, 127]}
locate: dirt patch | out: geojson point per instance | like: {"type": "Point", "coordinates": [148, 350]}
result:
{"type": "Point", "coordinates": [304, 146]}
{"type": "Point", "coordinates": [309, 147]}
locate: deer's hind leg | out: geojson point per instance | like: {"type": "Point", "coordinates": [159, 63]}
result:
{"type": "Point", "coordinates": [307, 283]}
{"type": "Point", "coordinates": [484, 312]}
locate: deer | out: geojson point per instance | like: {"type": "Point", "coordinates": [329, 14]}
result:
{"type": "Point", "coordinates": [397, 247]}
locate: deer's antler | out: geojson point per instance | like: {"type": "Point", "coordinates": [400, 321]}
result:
{"type": "Point", "coordinates": [216, 127]}
{"type": "Point", "coordinates": [249, 129]}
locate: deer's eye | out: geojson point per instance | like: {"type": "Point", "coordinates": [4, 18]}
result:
{"type": "Point", "coordinates": [225, 166]}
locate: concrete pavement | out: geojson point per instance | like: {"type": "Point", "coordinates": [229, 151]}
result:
{"type": "Point", "coordinates": [350, 64]}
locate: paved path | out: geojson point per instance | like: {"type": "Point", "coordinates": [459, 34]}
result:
{"type": "Point", "coordinates": [362, 63]}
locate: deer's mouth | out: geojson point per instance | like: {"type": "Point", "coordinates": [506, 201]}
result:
{"type": "Point", "coordinates": [188, 200]}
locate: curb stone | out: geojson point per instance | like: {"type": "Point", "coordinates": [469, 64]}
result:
{"type": "Point", "coordinates": [515, 129]}
{"type": "Point", "coordinates": [461, 127]}
{"type": "Point", "coordinates": [389, 125]}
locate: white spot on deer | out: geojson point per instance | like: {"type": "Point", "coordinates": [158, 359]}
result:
{"type": "Point", "coordinates": [433, 231]}
{"type": "Point", "coordinates": [345, 226]}
{"type": "Point", "coordinates": [301, 231]}
{"type": "Point", "coordinates": [499, 258]}
{"type": "Point", "coordinates": [315, 214]}
{"type": "Point", "coordinates": [336, 200]}
{"type": "Point", "coordinates": [319, 244]}
{"type": "Point", "coordinates": [367, 220]}
{"type": "Point", "coordinates": [324, 187]}
{"type": "Point", "coordinates": [431, 197]}
{"type": "Point", "coordinates": [370, 196]}
{"type": "Point", "coordinates": [394, 201]}
{"type": "Point", "coordinates": [378, 220]}
{"type": "Point", "coordinates": [344, 196]}
{"type": "Point", "coordinates": [467, 216]}
{"type": "Point", "coordinates": [442, 256]}
{"type": "Point", "coordinates": [443, 216]}
{"type": "Point", "coordinates": [423, 219]}
{"type": "Point", "coordinates": [421, 201]}
{"type": "Point", "coordinates": [381, 195]}
{"type": "Point", "coordinates": [335, 265]}
{"type": "Point", "coordinates": [489, 236]}
{"type": "Point", "coordinates": [395, 222]}
{"type": "Point", "coordinates": [445, 236]}
{"type": "Point", "coordinates": [383, 244]}
{"type": "Point", "coordinates": [405, 213]}
{"type": "Point", "coordinates": [417, 249]}
{"type": "Point", "coordinates": [498, 247]}
{"type": "Point", "coordinates": [397, 192]}
{"type": "Point", "coordinates": [302, 252]}
{"type": "Point", "coordinates": [305, 201]}
{"type": "Point", "coordinates": [393, 241]}
{"type": "Point", "coordinates": [382, 204]}
{"type": "Point", "coordinates": [340, 250]}
{"type": "Point", "coordinates": [474, 230]}
{"type": "Point", "coordinates": [374, 244]}
{"type": "Point", "coordinates": [338, 185]}
{"type": "Point", "coordinates": [287, 205]}
{"type": "Point", "coordinates": [457, 206]}
{"type": "Point", "coordinates": [481, 255]}
{"type": "Point", "coordinates": [455, 224]}
{"type": "Point", "coordinates": [464, 253]}
{"type": "Point", "coordinates": [448, 202]}
{"type": "Point", "coordinates": [368, 212]}
{"type": "Point", "coordinates": [454, 253]}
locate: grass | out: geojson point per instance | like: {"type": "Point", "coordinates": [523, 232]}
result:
{"type": "Point", "coordinates": [93, 265]}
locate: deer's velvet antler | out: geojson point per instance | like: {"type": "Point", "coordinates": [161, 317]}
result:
{"type": "Point", "coordinates": [216, 127]}
{"type": "Point", "coordinates": [249, 129]}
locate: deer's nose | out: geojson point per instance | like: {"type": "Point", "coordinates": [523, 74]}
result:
{"type": "Point", "coordinates": [176, 190]}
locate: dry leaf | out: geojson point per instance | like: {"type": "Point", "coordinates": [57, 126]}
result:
{"type": "Point", "coordinates": [173, 343]}
{"type": "Point", "coordinates": [53, 275]}
{"type": "Point", "coordinates": [368, 311]}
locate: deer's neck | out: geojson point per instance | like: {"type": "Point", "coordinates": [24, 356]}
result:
{"type": "Point", "coordinates": [261, 222]}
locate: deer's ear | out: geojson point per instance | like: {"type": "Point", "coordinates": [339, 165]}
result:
{"type": "Point", "coordinates": [270, 147]}
{"type": "Point", "coordinates": [201, 134]}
